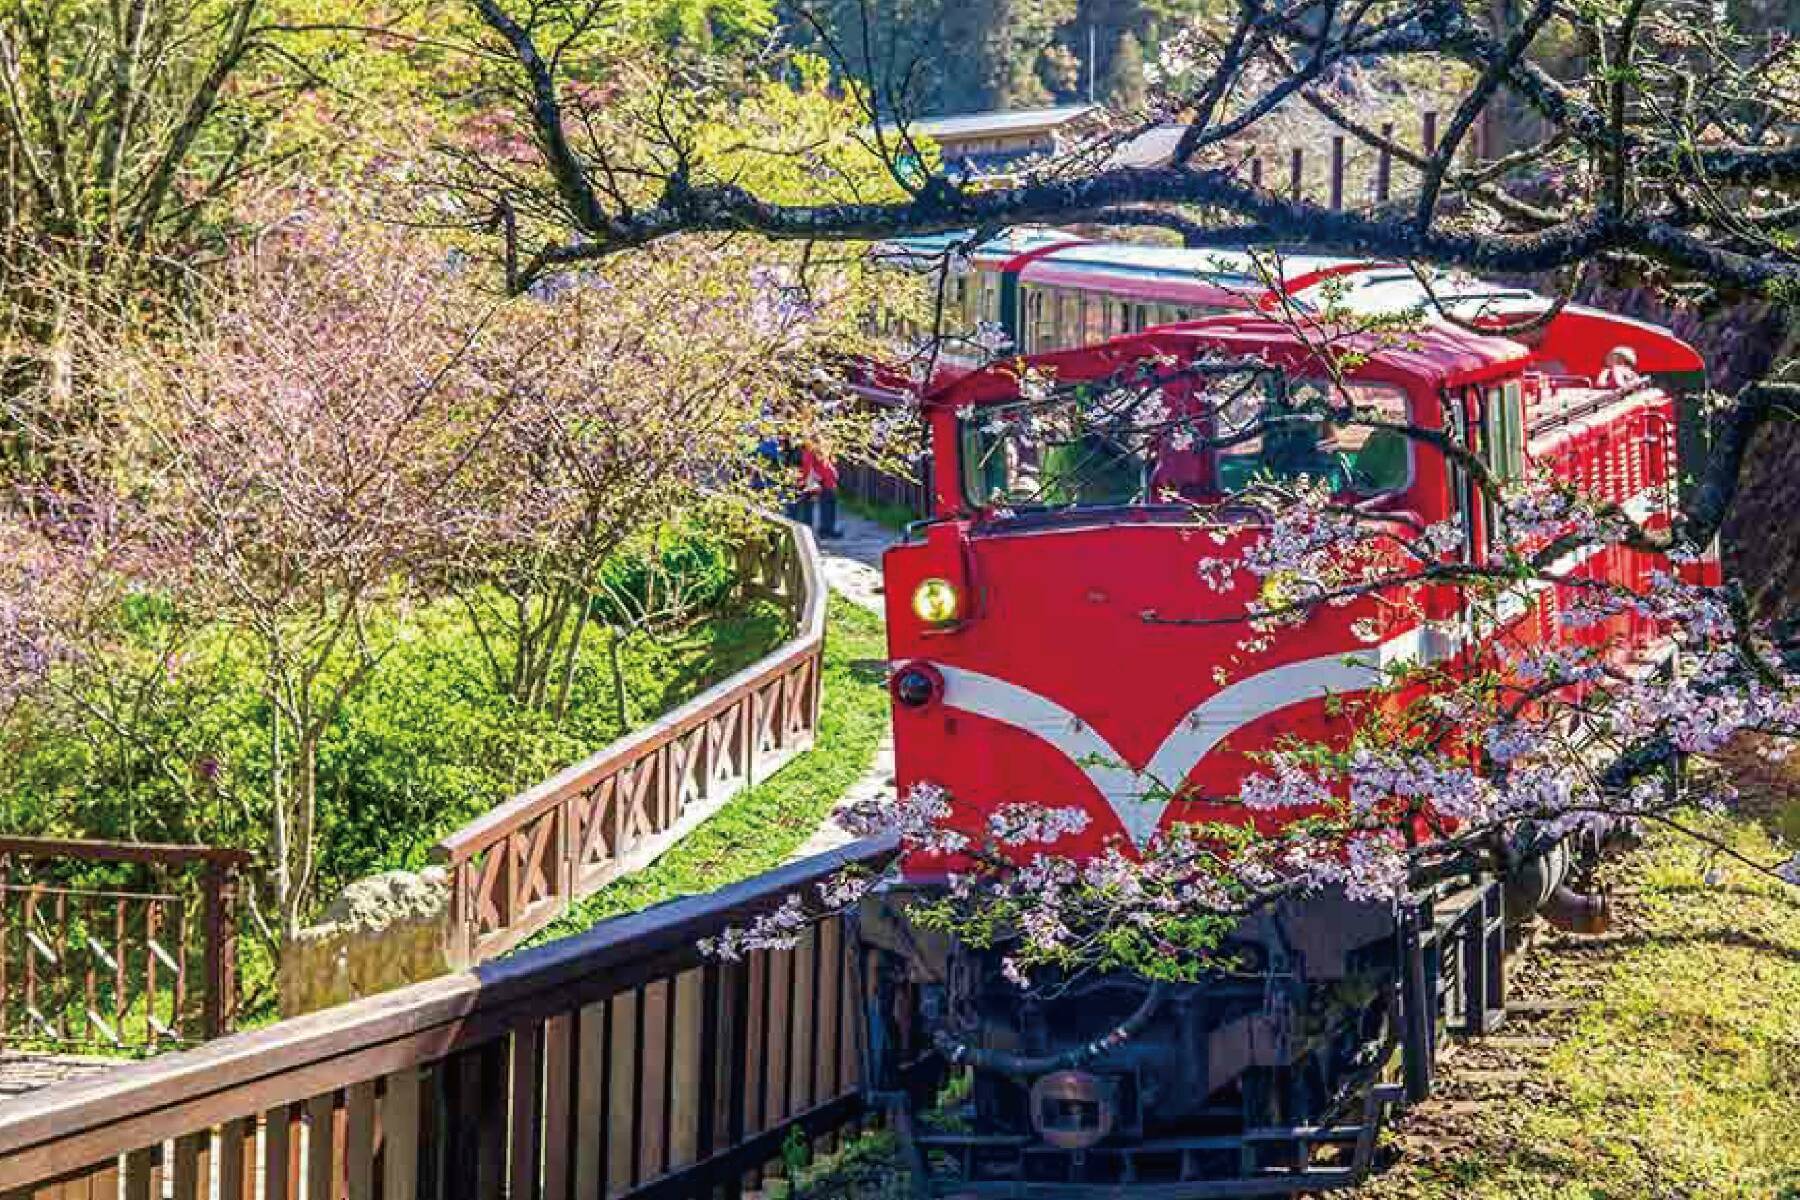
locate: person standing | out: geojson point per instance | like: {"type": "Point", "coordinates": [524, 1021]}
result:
{"type": "Point", "coordinates": [819, 482]}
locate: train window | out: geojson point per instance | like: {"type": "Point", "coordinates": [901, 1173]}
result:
{"type": "Point", "coordinates": [956, 302]}
{"type": "Point", "coordinates": [1035, 326]}
{"type": "Point", "coordinates": [988, 302]}
{"type": "Point", "coordinates": [1068, 319]}
{"type": "Point", "coordinates": [1098, 447]}
{"type": "Point", "coordinates": [1093, 317]}
{"type": "Point", "coordinates": [1503, 430]}
{"type": "Point", "coordinates": [1363, 459]}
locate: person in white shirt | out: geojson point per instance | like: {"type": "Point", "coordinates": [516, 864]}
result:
{"type": "Point", "coordinates": [1621, 370]}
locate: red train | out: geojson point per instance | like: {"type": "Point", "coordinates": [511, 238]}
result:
{"type": "Point", "coordinates": [1057, 638]}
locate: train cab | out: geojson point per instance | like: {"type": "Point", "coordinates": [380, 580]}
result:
{"type": "Point", "coordinates": [1072, 627]}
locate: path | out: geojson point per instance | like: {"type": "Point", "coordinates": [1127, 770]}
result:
{"type": "Point", "coordinates": [852, 568]}
{"type": "Point", "coordinates": [22, 1073]}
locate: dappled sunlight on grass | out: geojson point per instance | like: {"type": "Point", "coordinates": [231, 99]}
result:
{"type": "Point", "coordinates": [1680, 1073]}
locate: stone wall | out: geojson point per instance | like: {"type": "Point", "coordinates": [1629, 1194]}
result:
{"type": "Point", "coordinates": [381, 933]}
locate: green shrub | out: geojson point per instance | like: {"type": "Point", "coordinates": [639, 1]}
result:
{"type": "Point", "coordinates": [425, 744]}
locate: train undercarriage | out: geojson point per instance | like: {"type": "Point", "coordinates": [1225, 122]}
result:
{"type": "Point", "coordinates": [1272, 1078]}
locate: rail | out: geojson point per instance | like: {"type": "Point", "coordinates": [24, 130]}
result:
{"type": "Point", "coordinates": [116, 945]}
{"type": "Point", "coordinates": [521, 865]}
{"type": "Point", "coordinates": [617, 1062]}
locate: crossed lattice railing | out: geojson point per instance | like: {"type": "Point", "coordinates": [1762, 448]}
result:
{"type": "Point", "coordinates": [519, 866]}
{"type": "Point", "coordinates": [115, 945]}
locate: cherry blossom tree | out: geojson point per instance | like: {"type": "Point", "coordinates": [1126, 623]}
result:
{"type": "Point", "coordinates": [299, 456]}
{"type": "Point", "coordinates": [640, 387]}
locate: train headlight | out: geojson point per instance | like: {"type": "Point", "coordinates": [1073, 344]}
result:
{"type": "Point", "coordinates": [916, 685]}
{"type": "Point", "coordinates": [935, 602]}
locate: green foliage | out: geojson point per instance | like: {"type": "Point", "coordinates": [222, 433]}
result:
{"type": "Point", "coordinates": [761, 828]}
{"type": "Point", "coordinates": [427, 743]}
{"type": "Point", "coordinates": [692, 571]}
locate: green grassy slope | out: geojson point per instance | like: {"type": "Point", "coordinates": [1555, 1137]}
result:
{"type": "Point", "coordinates": [762, 827]}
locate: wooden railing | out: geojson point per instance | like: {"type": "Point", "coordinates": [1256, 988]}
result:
{"type": "Point", "coordinates": [617, 1062]}
{"type": "Point", "coordinates": [519, 867]}
{"type": "Point", "coordinates": [116, 945]}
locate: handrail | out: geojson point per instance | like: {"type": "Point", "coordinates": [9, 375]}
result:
{"type": "Point", "coordinates": [132, 852]}
{"type": "Point", "coordinates": [519, 866]}
{"type": "Point", "coordinates": [542, 1020]}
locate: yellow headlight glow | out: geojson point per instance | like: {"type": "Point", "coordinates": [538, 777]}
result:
{"type": "Point", "coordinates": [935, 602]}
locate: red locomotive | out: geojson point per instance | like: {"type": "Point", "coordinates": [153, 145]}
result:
{"type": "Point", "coordinates": [1053, 642]}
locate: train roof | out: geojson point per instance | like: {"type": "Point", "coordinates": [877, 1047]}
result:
{"type": "Point", "coordinates": [1435, 355]}
{"type": "Point", "coordinates": [1054, 257]}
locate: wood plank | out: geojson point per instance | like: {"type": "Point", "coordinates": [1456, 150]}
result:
{"type": "Point", "coordinates": [777, 1030]}
{"type": "Point", "coordinates": [237, 1159]}
{"type": "Point", "coordinates": [464, 1087]}
{"type": "Point", "coordinates": [527, 1098]}
{"type": "Point", "coordinates": [755, 1051]}
{"type": "Point", "coordinates": [622, 1108]}
{"type": "Point", "coordinates": [138, 1166]}
{"type": "Point", "coordinates": [280, 1158]}
{"type": "Point", "coordinates": [400, 1109]}
{"type": "Point", "coordinates": [188, 1174]}
{"type": "Point", "coordinates": [321, 1143]}
{"type": "Point", "coordinates": [590, 1101]}
{"type": "Point", "coordinates": [804, 1021]}
{"type": "Point", "coordinates": [103, 1183]}
{"type": "Point", "coordinates": [726, 1060]}
{"type": "Point", "coordinates": [559, 1072]}
{"type": "Point", "coordinates": [687, 1045]}
{"type": "Point", "coordinates": [491, 1108]}
{"type": "Point", "coordinates": [828, 1037]}
{"type": "Point", "coordinates": [653, 1092]}
{"type": "Point", "coordinates": [853, 1032]}
{"type": "Point", "coordinates": [359, 1140]}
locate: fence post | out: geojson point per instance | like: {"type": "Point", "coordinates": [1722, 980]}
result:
{"type": "Point", "coordinates": [5, 938]}
{"type": "Point", "coordinates": [1337, 173]}
{"type": "Point", "coordinates": [1296, 166]}
{"type": "Point", "coordinates": [219, 892]}
{"type": "Point", "coordinates": [1429, 135]}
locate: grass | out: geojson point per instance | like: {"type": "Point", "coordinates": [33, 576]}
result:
{"type": "Point", "coordinates": [889, 516]}
{"type": "Point", "coordinates": [761, 828]}
{"type": "Point", "coordinates": [1680, 1074]}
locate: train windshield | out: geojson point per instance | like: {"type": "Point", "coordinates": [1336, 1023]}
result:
{"type": "Point", "coordinates": [1148, 443]}
{"type": "Point", "coordinates": [1335, 432]}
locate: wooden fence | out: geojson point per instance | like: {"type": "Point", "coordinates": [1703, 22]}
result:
{"type": "Point", "coordinates": [617, 1062]}
{"type": "Point", "coordinates": [520, 866]}
{"type": "Point", "coordinates": [115, 945]}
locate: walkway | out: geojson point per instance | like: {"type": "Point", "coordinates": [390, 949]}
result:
{"type": "Point", "coordinates": [852, 568]}
{"type": "Point", "coordinates": [22, 1072]}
